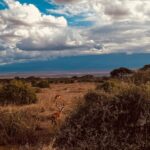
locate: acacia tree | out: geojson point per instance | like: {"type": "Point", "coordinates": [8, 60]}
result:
{"type": "Point", "coordinates": [145, 68]}
{"type": "Point", "coordinates": [121, 72]}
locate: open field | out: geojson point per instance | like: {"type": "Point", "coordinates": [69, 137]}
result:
{"type": "Point", "coordinates": [77, 113]}
{"type": "Point", "coordinates": [71, 96]}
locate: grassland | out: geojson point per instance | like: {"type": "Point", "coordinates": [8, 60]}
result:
{"type": "Point", "coordinates": [100, 113]}
{"type": "Point", "coordinates": [37, 115]}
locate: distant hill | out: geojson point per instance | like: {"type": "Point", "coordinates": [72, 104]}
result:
{"type": "Point", "coordinates": [90, 63]}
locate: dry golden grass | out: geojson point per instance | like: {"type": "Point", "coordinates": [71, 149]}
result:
{"type": "Point", "coordinates": [71, 96]}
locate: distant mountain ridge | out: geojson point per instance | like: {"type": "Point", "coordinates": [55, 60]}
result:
{"type": "Point", "coordinates": [77, 64]}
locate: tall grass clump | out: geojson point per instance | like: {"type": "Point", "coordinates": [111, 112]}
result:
{"type": "Point", "coordinates": [112, 86]}
{"type": "Point", "coordinates": [141, 77]}
{"type": "Point", "coordinates": [17, 128]}
{"type": "Point", "coordinates": [17, 92]}
{"type": "Point", "coordinates": [107, 121]}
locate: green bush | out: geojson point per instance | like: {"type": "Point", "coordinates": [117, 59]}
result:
{"type": "Point", "coordinates": [17, 92]}
{"type": "Point", "coordinates": [41, 84]}
{"type": "Point", "coordinates": [106, 122]}
{"type": "Point", "coordinates": [133, 102]}
{"type": "Point", "coordinates": [112, 86]}
{"type": "Point", "coordinates": [106, 86]}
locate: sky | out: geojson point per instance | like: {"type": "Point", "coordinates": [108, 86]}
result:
{"type": "Point", "coordinates": [43, 30]}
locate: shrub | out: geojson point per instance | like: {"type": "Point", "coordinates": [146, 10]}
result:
{"type": "Point", "coordinates": [106, 86]}
{"type": "Point", "coordinates": [17, 128]}
{"type": "Point", "coordinates": [17, 92]}
{"type": "Point", "coordinates": [141, 77]}
{"type": "Point", "coordinates": [94, 97]}
{"type": "Point", "coordinates": [133, 103]}
{"type": "Point", "coordinates": [145, 68]}
{"type": "Point", "coordinates": [112, 86]}
{"type": "Point", "coordinates": [37, 90]}
{"type": "Point", "coordinates": [121, 72]}
{"type": "Point", "coordinates": [86, 78]}
{"type": "Point", "coordinates": [42, 84]}
{"type": "Point", "coordinates": [120, 121]}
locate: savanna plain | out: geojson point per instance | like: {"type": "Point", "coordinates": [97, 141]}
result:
{"type": "Point", "coordinates": [77, 113]}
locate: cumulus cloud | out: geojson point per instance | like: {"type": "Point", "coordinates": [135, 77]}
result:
{"type": "Point", "coordinates": [120, 25]}
{"type": "Point", "coordinates": [24, 21]}
{"type": "Point", "coordinates": [25, 28]}
{"type": "Point", "coordinates": [65, 1]}
{"type": "Point", "coordinates": [3, 45]}
{"type": "Point", "coordinates": [117, 26]}
{"type": "Point", "coordinates": [106, 10]}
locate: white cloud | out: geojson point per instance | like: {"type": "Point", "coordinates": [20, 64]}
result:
{"type": "Point", "coordinates": [25, 28]}
{"type": "Point", "coordinates": [106, 10]}
{"type": "Point", "coordinates": [119, 26]}
{"type": "Point", "coordinates": [65, 1]}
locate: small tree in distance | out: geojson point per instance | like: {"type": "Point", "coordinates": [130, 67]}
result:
{"type": "Point", "coordinates": [121, 72]}
{"type": "Point", "coordinates": [145, 68]}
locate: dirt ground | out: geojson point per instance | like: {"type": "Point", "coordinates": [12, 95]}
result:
{"type": "Point", "coordinates": [70, 95]}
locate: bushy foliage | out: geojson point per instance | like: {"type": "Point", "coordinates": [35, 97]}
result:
{"type": "Point", "coordinates": [141, 77]}
{"type": "Point", "coordinates": [41, 84]}
{"type": "Point", "coordinates": [121, 72]}
{"type": "Point", "coordinates": [112, 86]}
{"type": "Point", "coordinates": [17, 128]}
{"type": "Point", "coordinates": [145, 68]}
{"type": "Point", "coordinates": [61, 80]}
{"type": "Point", "coordinates": [109, 121]}
{"type": "Point", "coordinates": [17, 92]}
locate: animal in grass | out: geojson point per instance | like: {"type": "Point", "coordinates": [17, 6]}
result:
{"type": "Point", "coordinates": [57, 97]}
{"type": "Point", "coordinates": [56, 115]}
